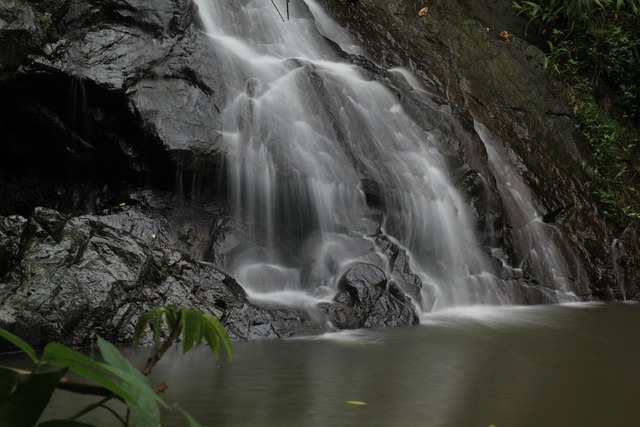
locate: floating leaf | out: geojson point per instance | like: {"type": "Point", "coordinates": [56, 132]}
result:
{"type": "Point", "coordinates": [423, 11]}
{"type": "Point", "coordinates": [356, 402]}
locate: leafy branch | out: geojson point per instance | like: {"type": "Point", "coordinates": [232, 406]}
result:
{"type": "Point", "coordinates": [25, 394]}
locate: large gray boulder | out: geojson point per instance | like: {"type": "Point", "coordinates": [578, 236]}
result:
{"type": "Point", "coordinates": [66, 279]}
{"type": "Point", "coordinates": [116, 89]}
{"type": "Point", "coordinates": [367, 299]}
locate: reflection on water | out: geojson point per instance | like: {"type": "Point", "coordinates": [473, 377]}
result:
{"type": "Point", "coordinates": [564, 365]}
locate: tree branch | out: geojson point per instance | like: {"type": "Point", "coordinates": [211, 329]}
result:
{"type": "Point", "coordinates": [68, 384]}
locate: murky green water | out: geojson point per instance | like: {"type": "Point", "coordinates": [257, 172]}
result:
{"type": "Point", "coordinates": [570, 365]}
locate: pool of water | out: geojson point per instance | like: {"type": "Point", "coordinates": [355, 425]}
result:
{"type": "Point", "coordinates": [561, 365]}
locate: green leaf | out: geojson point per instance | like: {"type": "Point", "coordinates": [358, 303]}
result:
{"type": "Point", "coordinates": [211, 337]}
{"type": "Point", "coordinates": [191, 422]}
{"type": "Point", "coordinates": [172, 316]}
{"type": "Point", "coordinates": [191, 330]}
{"type": "Point", "coordinates": [148, 413]}
{"type": "Point", "coordinates": [8, 381]}
{"type": "Point", "coordinates": [59, 355]}
{"type": "Point", "coordinates": [64, 423]}
{"type": "Point", "coordinates": [20, 343]}
{"type": "Point", "coordinates": [152, 316]}
{"type": "Point", "coordinates": [220, 332]}
{"type": "Point", "coordinates": [29, 398]}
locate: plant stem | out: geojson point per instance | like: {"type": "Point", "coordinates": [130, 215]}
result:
{"type": "Point", "coordinates": [151, 362]}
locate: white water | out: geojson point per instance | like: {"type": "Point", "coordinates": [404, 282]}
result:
{"type": "Point", "coordinates": [301, 130]}
{"type": "Point", "coordinates": [538, 243]}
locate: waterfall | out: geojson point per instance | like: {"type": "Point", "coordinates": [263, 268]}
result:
{"type": "Point", "coordinates": [539, 244]}
{"type": "Point", "coordinates": [304, 132]}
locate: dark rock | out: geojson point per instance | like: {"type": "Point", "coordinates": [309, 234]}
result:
{"type": "Point", "coordinates": [98, 97]}
{"type": "Point", "coordinates": [324, 256]}
{"type": "Point", "coordinates": [121, 90]}
{"type": "Point", "coordinates": [372, 192]}
{"type": "Point", "coordinates": [455, 53]}
{"type": "Point", "coordinates": [80, 276]}
{"type": "Point", "coordinates": [374, 303]}
{"type": "Point", "coordinates": [401, 272]}
{"type": "Point", "coordinates": [11, 230]}
{"type": "Point", "coordinates": [341, 316]}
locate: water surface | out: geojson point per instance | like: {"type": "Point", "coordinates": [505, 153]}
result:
{"type": "Point", "coordinates": [562, 365]}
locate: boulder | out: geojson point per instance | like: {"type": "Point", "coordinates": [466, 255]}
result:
{"type": "Point", "coordinates": [401, 272]}
{"type": "Point", "coordinates": [366, 299]}
{"type": "Point", "coordinates": [74, 277]}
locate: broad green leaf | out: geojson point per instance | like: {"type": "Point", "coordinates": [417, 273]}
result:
{"type": "Point", "coordinates": [31, 395]}
{"type": "Point", "coordinates": [148, 413]}
{"type": "Point", "coordinates": [191, 422]}
{"type": "Point", "coordinates": [20, 343]}
{"type": "Point", "coordinates": [64, 423]}
{"type": "Point", "coordinates": [8, 381]}
{"type": "Point", "coordinates": [59, 355]}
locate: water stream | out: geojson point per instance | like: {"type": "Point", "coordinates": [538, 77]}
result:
{"type": "Point", "coordinates": [304, 133]}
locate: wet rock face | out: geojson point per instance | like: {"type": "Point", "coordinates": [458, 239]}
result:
{"type": "Point", "coordinates": [106, 90]}
{"type": "Point", "coordinates": [455, 51]}
{"type": "Point", "coordinates": [69, 278]}
{"type": "Point", "coordinates": [625, 254]}
{"type": "Point", "coordinates": [101, 96]}
{"type": "Point", "coordinates": [366, 299]}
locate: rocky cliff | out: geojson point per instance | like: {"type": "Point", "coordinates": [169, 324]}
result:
{"type": "Point", "coordinates": [109, 173]}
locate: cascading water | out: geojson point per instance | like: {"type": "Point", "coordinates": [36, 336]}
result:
{"type": "Point", "coordinates": [538, 243]}
{"type": "Point", "coordinates": [304, 132]}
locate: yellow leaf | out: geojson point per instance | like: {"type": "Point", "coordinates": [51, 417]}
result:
{"type": "Point", "coordinates": [423, 11]}
{"type": "Point", "coordinates": [356, 402]}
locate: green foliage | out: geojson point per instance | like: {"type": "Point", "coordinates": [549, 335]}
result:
{"type": "Point", "coordinates": [610, 169]}
{"type": "Point", "coordinates": [594, 46]}
{"type": "Point", "coordinates": [549, 11]}
{"type": "Point", "coordinates": [195, 327]}
{"type": "Point", "coordinates": [20, 343]}
{"type": "Point", "coordinates": [24, 396]}
{"type": "Point", "coordinates": [146, 412]}
{"type": "Point", "coordinates": [112, 378]}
